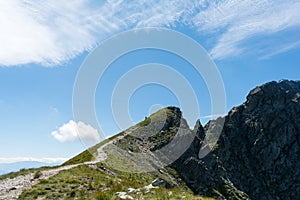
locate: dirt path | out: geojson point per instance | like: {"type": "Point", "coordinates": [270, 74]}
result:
{"type": "Point", "coordinates": [12, 188]}
{"type": "Point", "coordinates": [101, 155]}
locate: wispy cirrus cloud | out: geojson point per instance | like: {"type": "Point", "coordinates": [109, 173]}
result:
{"type": "Point", "coordinates": [44, 32]}
{"type": "Point", "coordinates": [241, 20]}
{"type": "Point", "coordinates": [282, 49]}
{"type": "Point", "coordinates": [52, 32]}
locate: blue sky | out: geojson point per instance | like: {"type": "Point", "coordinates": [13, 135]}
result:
{"type": "Point", "coordinates": [43, 44]}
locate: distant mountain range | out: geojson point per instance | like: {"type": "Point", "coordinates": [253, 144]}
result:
{"type": "Point", "coordinates": [16, 166]}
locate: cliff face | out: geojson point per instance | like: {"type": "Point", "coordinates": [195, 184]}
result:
{"type": "Point", "coordinates": [258, 150]}
{"type": "Point", "coordinates": [259, 146]}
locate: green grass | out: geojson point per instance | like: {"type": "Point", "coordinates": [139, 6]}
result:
{"type": "Point", "coordinates": [85, 156]}
{"type": "Point", "coordinates": [83, 182]}
{"type": "Point", "coordinates": [145, 122]}
{"type": "Point", "coordinates": [89, 154]}
{"type": "Point", "coordinates": [160, 115]}
{"type": "Point", "coordinates": [37, 174]}
{"type": "Point", "coordinates": [115, 161]}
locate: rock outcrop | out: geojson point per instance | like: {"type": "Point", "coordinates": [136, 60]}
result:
{"type": "Point", "coordinates": [257, 155]}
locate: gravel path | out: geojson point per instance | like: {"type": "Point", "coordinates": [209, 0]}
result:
{"type": "Point", "coordinates": [101, 155]}
{"type": "Point", "coordinates": [12, 188]}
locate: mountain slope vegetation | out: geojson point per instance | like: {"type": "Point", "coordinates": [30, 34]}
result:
{"type": "Point", "coordinates": [256, 156]}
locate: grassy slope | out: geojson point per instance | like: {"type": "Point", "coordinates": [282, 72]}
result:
{"type": "Point", "coordinates": [89, 155]}
{"type": "Point", "coordinates": [84, 182]}
{"type": "Point", "coordinates": [84, 156]}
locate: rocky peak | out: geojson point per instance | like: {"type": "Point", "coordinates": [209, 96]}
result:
{"type": "Point", "coordinates": [273, 95]}
{"type": "Point", "coordinates": [258, 149]}
{"type": "Point", "coordinates": [199, 130]}
{"type": "Point", "coordinates": [155, 131]}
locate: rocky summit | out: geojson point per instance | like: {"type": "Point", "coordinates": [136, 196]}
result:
{"type": "Point", "coordinates": [256, 156]}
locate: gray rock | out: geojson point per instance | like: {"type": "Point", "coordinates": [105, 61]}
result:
{"type": "Point", "coordinates": [257, 155]}
{"type": "Point", "coordinates": [161, 183]}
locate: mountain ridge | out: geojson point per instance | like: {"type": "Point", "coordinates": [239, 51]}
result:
{"type": "Point", "coordinates": [266, 107]}
{"type": "Point", "coordinates": [258, 148]}
{"type": "Point", "coordinates": [256, 156]}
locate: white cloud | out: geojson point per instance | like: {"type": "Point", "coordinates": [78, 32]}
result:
{"type": "Point", "coordinates": [282, 49]}
{"type": "Point", "coordinates": [73, 131]}
{"type": "Point", "coordinates": [241, 20]}
{"type": "Point", "coordinates": [213, 116]}
{"type": "Point", "coordinates": [52, 32]}
{"type": "Point", "coordinates": [21, 159]}
{"type": "Point", "coordinates": [45, 32]}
